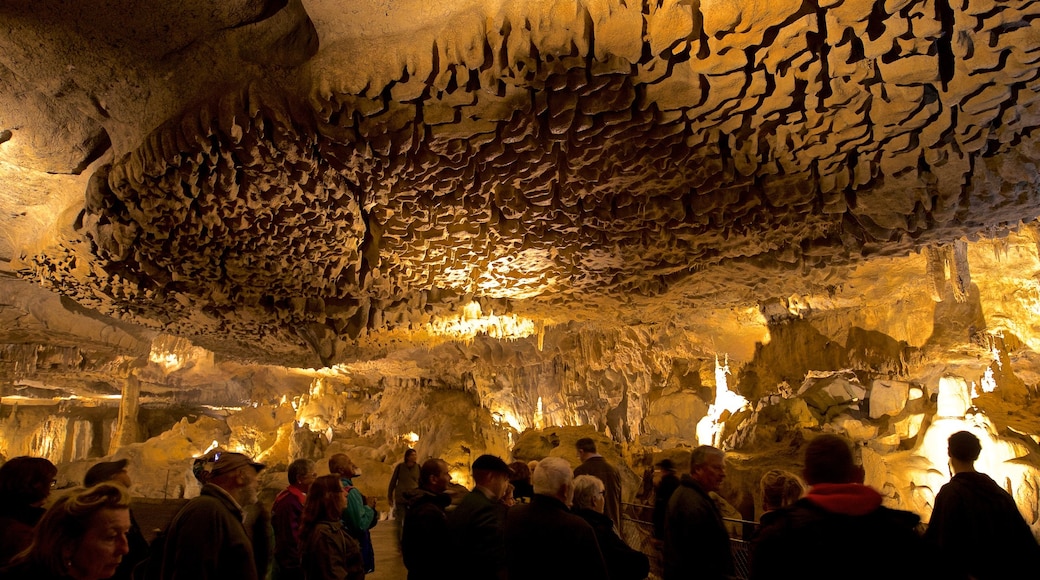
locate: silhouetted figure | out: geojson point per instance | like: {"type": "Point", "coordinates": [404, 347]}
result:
{"type": "Point", "coordinates": [696, 544]}
{"type": "Point", "coordinates": [544, 540]}
{"type": "Point", "coordinates": [425, 545]}
{"type": "Point", "coordinates": [404, 479]}
{"type": "Point", "coordinates": [25, 483]}
{"type": "Point", "coordinates": [476, 524]}
{"type": "Point", "coordinates": [976, 525]}
{"type": "Point", "coordinates": [666, 481]}
{"type": "Point", "coordinates": [522, 490]}
{"type": "Point", "coordinates": [623, 563]}
{"type": "Point", "coordinates": [839, 529]}
{"type": "Point", "coordinates": [592, 463]}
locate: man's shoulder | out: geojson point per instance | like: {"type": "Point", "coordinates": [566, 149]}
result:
{"type": "Point", "coordinates": [595, 465]}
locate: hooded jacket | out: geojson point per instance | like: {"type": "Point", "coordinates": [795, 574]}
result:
{"type": "Point", "coordinates": [841, 530]}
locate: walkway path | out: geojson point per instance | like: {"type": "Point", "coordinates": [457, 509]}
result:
{"type": "Point", "coordinates": [389, 565]}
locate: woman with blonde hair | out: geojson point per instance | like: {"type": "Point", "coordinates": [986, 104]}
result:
{"type": "Point", "coordinates": [81, 537]}
{"type": "Point", "coordinates": [327, 550]}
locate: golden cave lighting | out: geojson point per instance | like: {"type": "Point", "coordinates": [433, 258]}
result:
{"type": "Point", "coordinates": [410, 438]}
{"type": "Point", "coordinates": [472, 322]}
{"type": "Point", "coordinates": [463, 478]}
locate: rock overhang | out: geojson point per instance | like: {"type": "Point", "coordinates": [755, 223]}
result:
{"type": "Point", "coordinates": [356, 173]}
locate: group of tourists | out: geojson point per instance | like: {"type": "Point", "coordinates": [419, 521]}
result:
{"type": "Point", "coordinates": [840, 529]}
{"type": "Point", "coordinates": [549, 522]}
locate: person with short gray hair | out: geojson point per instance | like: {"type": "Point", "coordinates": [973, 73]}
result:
{"type": "Point", "coordinates": [696, 544]}
{"type": "Point", "coordinates": [544, 531]}
{"type": "Point", "coordinates": [623, 563]}
{"type": "Point", "coordinates": [592, 463]}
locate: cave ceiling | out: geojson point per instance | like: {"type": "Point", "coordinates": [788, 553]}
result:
{"type": "Point", "coordinates": [317, 181]}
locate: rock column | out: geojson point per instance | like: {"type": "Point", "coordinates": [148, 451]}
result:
{"type": "Point", "coordinates": [126, 425]}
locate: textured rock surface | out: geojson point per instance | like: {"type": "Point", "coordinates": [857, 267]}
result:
{"type": "Point", "coordinates": [304, 183]}
{"type": "Point", "coordinates": [215, 201]}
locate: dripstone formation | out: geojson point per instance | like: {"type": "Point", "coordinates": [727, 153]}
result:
{"type": "Point", "coordinates": [554, 159]}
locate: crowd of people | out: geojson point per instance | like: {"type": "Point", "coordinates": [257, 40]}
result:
{"type": "Point", "coordinates": [541, 520]}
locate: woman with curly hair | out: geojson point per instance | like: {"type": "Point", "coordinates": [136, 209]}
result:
{"type": "Point", "coordinates": [328, 551]}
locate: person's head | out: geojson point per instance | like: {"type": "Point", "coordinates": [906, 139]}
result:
{"type": "Point", "coordinates": [434, 475]}
{"type": "Point", "coordinates": [411, 457]}
{"type": "Point", "coordinates": [828, 459]}
{"type": "Point", "coordinates": [779, 489]}
{"type": "Point", "coordinates": [662, 468]}
{"type": "Point", "coordinates": [553, 477]}
{"type": "Point", "coordinates": [26, 480]}
{"type": "Point", "coordinates": [342, 465]}
{"type": "Point", "coordinates": [586, 448]}
{"type": "Point", "coordinates": [236, 474]}
{"type": "Point", "coordinates": [83, 535]}
{"type": "Point", "coordinates": [964, 447]}
{"type": "Point", "coordinates": [521, 472]}
{"type": "Point", "coordinates": [108, 471]}
{"type": "Point", "coordinates": [588, 493]}
{"type": "Point", "coordinates": [491, 473]}
{"type": "Point", "coordinates": [325, 503]}
{"type": "Point", "coordinates": [707, 467]}
{"type": "Point", "coordinates": [302, 473]}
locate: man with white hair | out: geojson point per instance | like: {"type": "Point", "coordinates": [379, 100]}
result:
{"type": "Point", "coordinates": [543, 539]}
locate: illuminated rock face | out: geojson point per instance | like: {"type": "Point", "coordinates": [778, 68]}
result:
{"type": "Point", "coordinates": [228, 197]}
{"type": "Point", "coordinates": [310, 182]}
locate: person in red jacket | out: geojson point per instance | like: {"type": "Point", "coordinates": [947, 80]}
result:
{"type": "Point", "coordinates": [285, 518]}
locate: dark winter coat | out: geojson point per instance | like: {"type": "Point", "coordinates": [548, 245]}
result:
{"type": "Point", "coordinates": [696, 544]}
{"type": "Point", "coordinates": [424, 543]}
{"type": "Point", "coordinates": [331, 553]}
{"type": "Point", "coordinates": [977, 525]}
{"type": "Point", "coordinates": [545, 541]}
{"type": "Point", "coordinates": [841, 531]}
{"type": "Point", "coordinates": [608, 474]}
{"type": "Point", "coordinates": [207, 540]}
{"type": "Point", "coordinates": [476, 527]}
{"type": "Point", "coordinates": [623, 562]}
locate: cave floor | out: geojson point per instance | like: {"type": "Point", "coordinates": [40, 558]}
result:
{"type": "Point", "coordinates": [389, 565]}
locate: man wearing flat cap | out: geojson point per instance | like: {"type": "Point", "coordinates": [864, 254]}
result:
{"type": "Point", "coordinates": [477, 523]}
{"type": "Point", "coordinates": [115, 472]}
{"type": "Point", "coordinates": [207, 539]}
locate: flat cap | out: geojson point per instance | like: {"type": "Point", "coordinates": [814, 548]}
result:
{"type": "Point", "coordinates": [227, 462]}
{"type": "Point", "coordinates": [491, 463]}
{"type": "Point", "coordinates": [104, 471]}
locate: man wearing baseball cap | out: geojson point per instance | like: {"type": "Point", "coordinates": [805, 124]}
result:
{"type": "Point", "coordinates": [207, 538]}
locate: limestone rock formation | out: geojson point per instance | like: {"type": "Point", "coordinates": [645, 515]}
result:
{"type": "Point", "coordinates": [303, 227]}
